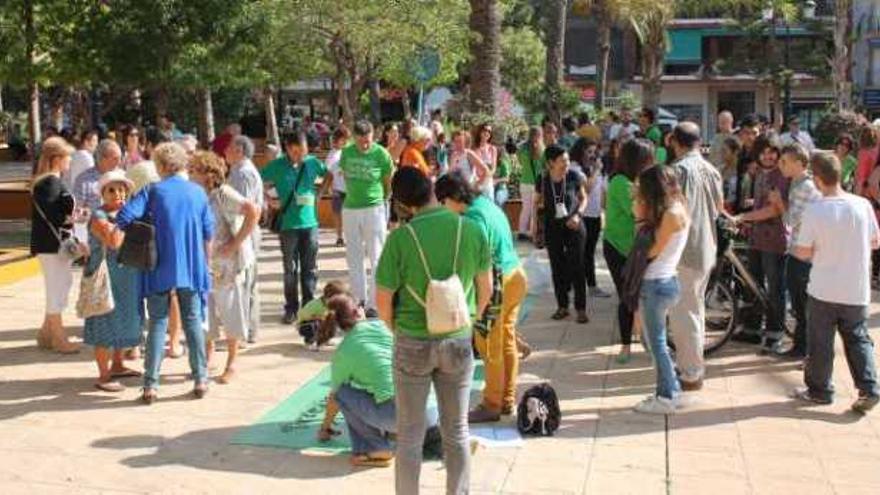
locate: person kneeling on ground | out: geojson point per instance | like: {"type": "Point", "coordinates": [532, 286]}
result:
{"type": "Point", "coordinates": [310, 316]}
{"type": "Point", "coordinates": [363, 384]}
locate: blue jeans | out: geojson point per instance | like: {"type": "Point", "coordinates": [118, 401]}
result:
{"type": "Point", "coordinates": [851, 322]}
{"type": "Point", "coordinates": [191, 317]}
{"type": "Point", "coordinates": [449, 365]}
{"type": "Point", "coordinates": [657, 297]}
{"type": "Point", "coordinates": [299, 250]}
{"type": "Point", "coordinates": [370, 423]}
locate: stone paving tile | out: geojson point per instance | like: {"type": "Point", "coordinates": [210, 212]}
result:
{"type": "Point", "coordinates": [740, 434]}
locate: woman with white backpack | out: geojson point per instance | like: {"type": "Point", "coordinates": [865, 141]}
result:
{"type": "Point", "coordinates": [434, 276]}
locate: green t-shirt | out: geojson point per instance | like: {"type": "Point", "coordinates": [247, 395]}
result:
{"type": "Point", "coordinates": [302, 212]}
{"type": "Point", "coordinates": [503, 170]}
{"type": "Point", "coordinates": [655, 135]}
{"type": "Point", "coordinates": [530, 168]}
{"type": "Point", "coordinates": [620, 223]}
{"type": "Point", "coordinates": [363, 360]}
{"type": "Point", "coordinates": [492, 220]}
{"type": "Point", "coordinates": [364, 175]}
{"type": "Point", "coordinates": [400, 265]}
{"type": "Point", "coordinates": [313, 310]}
{"type": "Point", "coordinates": [848, 169]}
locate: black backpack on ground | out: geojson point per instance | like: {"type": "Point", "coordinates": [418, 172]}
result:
{"type": "Point", "coordinates": [538, 411]}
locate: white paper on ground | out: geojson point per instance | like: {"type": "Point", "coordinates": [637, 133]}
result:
{"type": "Point", "coordinates": [496, 436]}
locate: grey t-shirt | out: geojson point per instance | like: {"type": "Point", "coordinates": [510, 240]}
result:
{"type": "Point", "coordinates": [701, 184]}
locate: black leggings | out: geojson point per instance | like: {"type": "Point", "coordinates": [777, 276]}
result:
{"type": "Point", "coordinates": [566, 250]}
{"type": "Point", "coordinates": [616, 262]}
{"type": "Point", "coordinates": [594, 227]}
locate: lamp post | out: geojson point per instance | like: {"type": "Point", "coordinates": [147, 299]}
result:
{"type": "Point", "coordinates": [788, 74]}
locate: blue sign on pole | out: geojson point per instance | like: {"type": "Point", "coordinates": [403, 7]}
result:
{"type": "Point", "coordinates": [424, 66]}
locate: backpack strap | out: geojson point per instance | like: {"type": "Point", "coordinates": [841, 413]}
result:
{"type": "Point", "coordinates": [421, 252]}
{"type": "Point", "coordinates": [457, 246]}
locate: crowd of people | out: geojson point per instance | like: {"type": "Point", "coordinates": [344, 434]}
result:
{"type": "Point", "coordinates": [433, 267]}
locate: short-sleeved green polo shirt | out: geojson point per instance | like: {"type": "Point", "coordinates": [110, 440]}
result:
{"type": "Point", "coordinates": [302, 210]}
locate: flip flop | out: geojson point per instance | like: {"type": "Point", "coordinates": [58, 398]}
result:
{"type": "Point", "coordinates": [126, 373]}
{"type": "Point", "coordinates": [111, 386]}
{"type": "Point", "coordinates": [365, 460]}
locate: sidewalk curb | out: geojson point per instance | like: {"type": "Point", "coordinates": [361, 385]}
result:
{"type": "Point", "coordinates": [18, 270]}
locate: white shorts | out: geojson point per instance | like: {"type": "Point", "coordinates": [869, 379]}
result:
{"type": "Point", "coordinates": [57, 279]}
{"type": "Point", "coordinates": [227, 311]}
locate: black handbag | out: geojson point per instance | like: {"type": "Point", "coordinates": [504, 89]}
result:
{"type": "Point", "coordinates": [138, 248]}
{"type": "Point", "coordinates": [277, 219]}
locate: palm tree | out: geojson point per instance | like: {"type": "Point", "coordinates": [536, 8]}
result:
{"type": "Point", "coordinates": [606, 13]}
{"type": "Point", "coordinates": [649, 20]}
{"type": "Point", "coordinates": [841, 63]}
{"type": "Point", "coordinates": [485, 48]}
{"type": "Point", "coordinates": [555, 41]}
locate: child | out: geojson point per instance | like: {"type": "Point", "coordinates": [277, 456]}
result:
{"type": "Point", "coordinates": [310, 316]}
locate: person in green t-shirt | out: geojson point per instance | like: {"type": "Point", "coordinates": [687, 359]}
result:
{"type": "Point", "coordinates": [620, 227]}
{"type": "Point", "coordinates": [843, 148]}
{"type": "Point", "coordinates": [653, 133]}
{"type": "Point", "coordinates": [499, 347]}
{"type": "Point", "coordinates": [531, 165]}
{"type": "Point", "coordinates": [362, 383]}
{"type": "Point", "coordinates": [450, 245]}
{"type": "Point", "coordinates": [502, 174]}
{"type": "Point", "coordinates": [312, 314]}
{"type": "Point", "coordinates": [366, 168]}
{"type": "Point", "coordinates": [293, 176]}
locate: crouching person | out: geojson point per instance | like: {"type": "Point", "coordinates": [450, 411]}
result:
{"type": "Point", "coordinates": [363, 383]}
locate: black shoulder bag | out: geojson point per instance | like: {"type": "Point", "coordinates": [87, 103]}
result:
{"type": "Point", "coordinates": [278, 220]}
{"type": "Point", "coordinates": [138, 248]}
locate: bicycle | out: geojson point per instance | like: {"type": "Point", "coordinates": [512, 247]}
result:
{"type": "Point", "coordinates": [733, 295]}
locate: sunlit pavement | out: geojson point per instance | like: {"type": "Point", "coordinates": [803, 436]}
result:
{"type": "Point", "coordinates": [742, 435]}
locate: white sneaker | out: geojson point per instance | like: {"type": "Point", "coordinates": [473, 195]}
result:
{"type": "Point", "coordinates": [655, 405]}
{"type": "Point", "coordinates": [598, 292]}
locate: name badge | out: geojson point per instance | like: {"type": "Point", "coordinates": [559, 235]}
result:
{"type": "Point", "coordinates": [305, 199]}
{"type": "Point", "coordinates": [561, 210]}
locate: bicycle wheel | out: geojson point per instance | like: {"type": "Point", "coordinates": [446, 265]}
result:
{"type": "Point", "coordinates": [721, 310]}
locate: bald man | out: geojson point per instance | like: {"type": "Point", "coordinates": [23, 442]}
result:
{"type": "Point", "coordinates": [725, 130]}
{"type": "Point", "coordinates": [701, 184]}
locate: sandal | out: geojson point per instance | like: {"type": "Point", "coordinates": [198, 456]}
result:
{"type": "Point", "coordinates": [560, 314]}
{"type": "Point", "coordinates": [582, 317]}
{"type": "Point", "coordinates": [125, 373]}
{"type": "Point", "coordinates": [376, 459]}
{"type": "Point", "coordinates": [110, 386]}
{"type": "Point", "coordinates": [175, 355]}
{"type": "Point", "coordinates": [200, 390]}
{"type": "Point", "coordinates": [148, 396]}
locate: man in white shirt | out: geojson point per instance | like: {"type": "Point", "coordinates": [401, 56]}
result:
{"type": "Point", "coordinates": [838, 233]}
{"type": "Point", "coordinates": [83, 158]}
{"type": "Point", "coordinates": [796, 135]}
{"type": "Point", "coordinates": [626, 129]}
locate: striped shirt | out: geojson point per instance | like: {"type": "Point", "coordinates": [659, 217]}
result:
{"type": "Point", "coordinates": [801, 193]}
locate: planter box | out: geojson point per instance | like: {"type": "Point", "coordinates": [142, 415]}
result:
{"type": "Point", "coordinates": [15, 200]}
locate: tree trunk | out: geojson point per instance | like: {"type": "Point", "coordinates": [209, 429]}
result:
{"type": "Point", "coordinates": [206, 117]}
{"type": "Point", "coordinates": [80, 111]}
{"type": "Point", "coordinates": [271, 120]}
{"type": "Point", "coordinates": [555, 41]}
{"type": "Point", "coordinates": [406, 103]}
{"type": "Point", "coordinates": [841, 63]}
{"type": "Point", "coordinates": [33, 86]}
{"type": "Point", "coordinates": [56, 107]}
{"type": "Point", "coordinates": [161, 104]}
{"type": "Point", "coordinates": [375, 101]}
{"type": "Point", "coordinates": [603, 26]}
{"type": "Point", "coordinates": [653, 62]}
{"type": "Point", "coordinates": [485, 69]}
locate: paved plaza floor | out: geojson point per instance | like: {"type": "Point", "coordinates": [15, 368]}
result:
{"type": "Point", "coordinates": [743, 436]}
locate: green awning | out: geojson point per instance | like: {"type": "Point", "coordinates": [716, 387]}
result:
{"type": "Point", "coordinates": [686, 46]}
